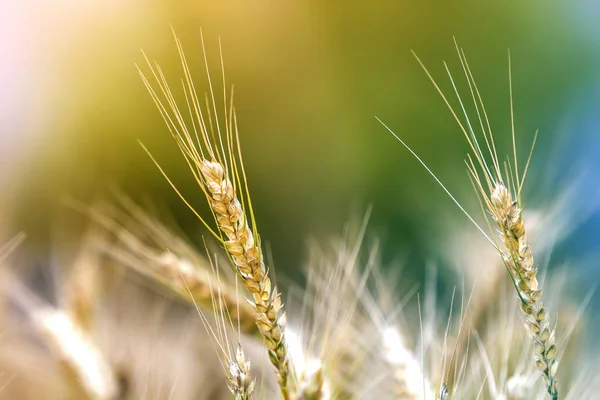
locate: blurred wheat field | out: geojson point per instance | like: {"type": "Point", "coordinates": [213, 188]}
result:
{"type": "Point", "coordinates": [180, 295]}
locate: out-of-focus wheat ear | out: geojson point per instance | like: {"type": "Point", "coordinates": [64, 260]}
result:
{"type": "Point", "coordinates": [211, 148]}
{"type": "Point", "coordinates": [311, 382]}
{"type": "Point", "coordinates": [149, 248]}
{"type": "Point", "coordinates": [6, 249]}
{"type": "Point", "coordinates": [409, 382]}
{"type": "Point", "coordinates": [517, 387]}
{"type": "Point", "coordinates": [83, 361]}
{"type": "Point", "coordinates": [335, 337]}
{"type": "Point", "coordinates": [85, 283]}
{"type": "Point", "coordinates": [79, 353]}
{"type": "Point", "coordinates": [350, 325]}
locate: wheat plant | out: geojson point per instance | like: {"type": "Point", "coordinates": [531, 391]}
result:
{"type": "Point", "coordinates": [500, 194]}
{"type": "Point", "coordinates": [216, 163]}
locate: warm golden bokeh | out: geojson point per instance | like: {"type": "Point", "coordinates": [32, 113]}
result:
{"type": "Point", "coordinates": [310, 77]}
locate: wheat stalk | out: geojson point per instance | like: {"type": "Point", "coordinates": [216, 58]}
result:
{"type": "Point", "coordinates": [219, 170]}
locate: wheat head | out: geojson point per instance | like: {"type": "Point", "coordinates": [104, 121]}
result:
{"type": "Point", "coordinates": [500, 194]}
{"type": "Point", "coordinates": [214, 157]}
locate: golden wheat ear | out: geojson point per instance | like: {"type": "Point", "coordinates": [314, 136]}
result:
{"type": "Point", "coordinates": [500, 194]}
{"type": "Point", "coordinates": [211, 148]}
{"type": "Point", "coordinates": [502, 199]}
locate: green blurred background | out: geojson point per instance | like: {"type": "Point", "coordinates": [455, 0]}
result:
{"type": "Point", "coordinates": [310, 77]}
